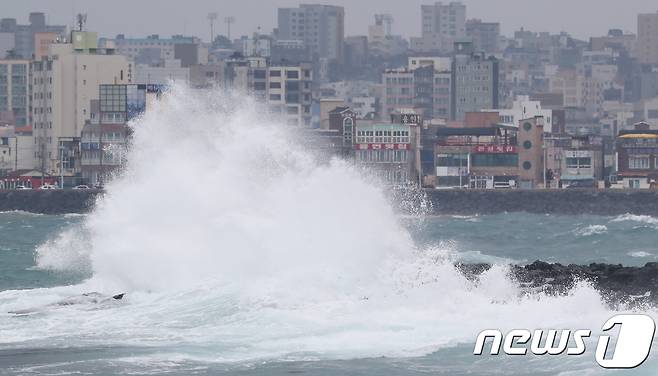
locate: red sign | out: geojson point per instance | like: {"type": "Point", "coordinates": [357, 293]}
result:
{"type": "Point", "coordinates": [496, 149]}
{"type": "Point", "coordinates": [382, 146]}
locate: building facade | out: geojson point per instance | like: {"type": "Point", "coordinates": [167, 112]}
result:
{"type": "Point", "coordinates": [646, 48]}
{"type": "Point", "coordinates": [24, 35]}
{"type": "Point", "coordinates": [485, 35]}
{"type": "Point", "coordinates": [441, 25]}
{"type": "Point", "coordinates": [15, 99]}
{"type": "Point", "coordinates": [387, 150]}
{"type": "Point", "coordinates": [321, 27]}
{"type": "Point", "coordinates": [64, 83]}
{"type": "Point", "coordinates": [475, 82]}
{"type": "Point", "coordinates": [637, 159]}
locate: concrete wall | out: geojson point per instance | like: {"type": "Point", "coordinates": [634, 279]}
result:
{"type": "Point", "coordinates": [467, 202]}
{"type": "Point", "coordinates": [48, 202]}
{"type": "Point", "coordinates": [567, 201]}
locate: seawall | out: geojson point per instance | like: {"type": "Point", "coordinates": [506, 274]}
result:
{"type": "Point", "coordinates": [461, 202]}
{"type": "Point", "coordinates": [48, 201]}
{"type": "Point", "coordinates": [565, 201]}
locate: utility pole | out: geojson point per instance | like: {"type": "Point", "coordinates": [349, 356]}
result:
{"type": "Point", "coordinates": [61, 164]}
{"type": "Point", "coordinates": [100, 150]}
{"type": "Point", "coordinates": [16, 154]}
{"type": "Point", "coordinates": [43, 161]}
{"type": "Point", "coordinates": [229, 20]}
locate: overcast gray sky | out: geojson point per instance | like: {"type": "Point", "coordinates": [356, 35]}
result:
{"type": "Point", "coordinates": [582, 18]}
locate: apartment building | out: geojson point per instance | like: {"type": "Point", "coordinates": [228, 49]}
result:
{"type": "Point", "coordinates": [475, 81]}
{"type": "Point", "coordinates": [441, 25]}
{"type": "Point", "coordinates": [646, 47]}
{"type": "Point", "coordinates": [64, 83]}
{"type": "Point", "coordinates": [321, 27]}
{"type": "Point", "coordinates": [15, 91]}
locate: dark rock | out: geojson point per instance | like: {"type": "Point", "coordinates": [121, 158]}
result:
{"type": "Point", "coordinates": [618, 285]}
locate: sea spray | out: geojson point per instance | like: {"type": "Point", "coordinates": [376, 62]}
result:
{"type": "Point", "coordinates": [234, 244]}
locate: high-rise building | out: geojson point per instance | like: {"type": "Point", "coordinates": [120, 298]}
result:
{"type": "Point", "coordinates": [646, 48]}
{"type": "Point", "coordinates": [441, 25]}
{"type": "Point", "coordinates": [475, 81]}
{"type": "Point", "coordinates": [321, 27]}
{"type": "Point", "coordinates": [484, 35]}
{"type": "Point", "coordinates": [14, 91]}
{"type": "Point", "coordinates": [24, 34]}
{"type": "Point", "coordinates": [288, 90]}
{"type": "Point", "coordinates": [424, 87]}
{"type": "Point", "coordinates": [63, 85]}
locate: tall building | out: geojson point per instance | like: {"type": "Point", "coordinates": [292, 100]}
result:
{"type": "Point", "coordinates": [424, 86]}
{"type": "Point", "coordinates": [321, 27]}
{"type": "Point", "coordinates": [441, 25]}
{"type": "Point", "coordinates": [475, 81]}
{"type": "Point", "coordinates": [24, 34]}
{"type": "Point", "coordinates": [63, 84]}
{"type": "Point", "coordinates": [646, 48]}
{"type": "Point", "coordinates": [484, 35]}
{"type": "Point", "coordinates": [288, 89]}
{"type": "Point", "coordinates": [15, 91]}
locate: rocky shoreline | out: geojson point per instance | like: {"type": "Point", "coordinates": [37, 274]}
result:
{"type": "Point", "coordinates": [627, 286]}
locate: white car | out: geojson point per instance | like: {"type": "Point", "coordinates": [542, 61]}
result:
{"type": "Point", "coordinates": [22, 187]}
{"type": "Point", "coordinates": [81, 187]}
{"type": "Point", "coordinates": [48, 186]}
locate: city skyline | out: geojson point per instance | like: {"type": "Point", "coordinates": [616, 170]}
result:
{"type": "Point", "coordinates": [190, 19]}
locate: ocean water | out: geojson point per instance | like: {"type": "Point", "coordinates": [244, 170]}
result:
{"type": "Point", "coordinates": [263, 261]}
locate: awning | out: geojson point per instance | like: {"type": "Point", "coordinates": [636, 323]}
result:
{"type": "Point", "coordinates": [639, 135]}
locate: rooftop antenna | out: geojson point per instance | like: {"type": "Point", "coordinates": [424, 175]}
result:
{"type": "Point", "coordinates": [229, 20]}
{"type": "Point", "coordinates": [212, 17]}
{"type": "Point", "coordinates": [81, 20]}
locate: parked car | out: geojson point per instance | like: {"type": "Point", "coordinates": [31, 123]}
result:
{"type": "Point", "coordinates": [48, 187]}
{"type": "Point", "coordinates": [82, 186]}
{"type": "Point", "coordinates": [582, 184]}
{"type": "Point", "coordinates": [21, 187]}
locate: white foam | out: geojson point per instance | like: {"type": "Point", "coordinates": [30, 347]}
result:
{"type": "Point", "coordinates": [233, 244]}
{"type": "Point", "coordinates": [592, 230]}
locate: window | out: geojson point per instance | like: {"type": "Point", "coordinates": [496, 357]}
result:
{"type": "Point", "coordinates": [527, 126]}
{"type": "Point", "coordinates": [452, 160]}
{"type": "Point", "coordinates": [638, 163]}
{"type": "Point", "coordinates": [292, 74]}
{"type": "Point", "coordinates": [527, 144]}
{"type": "Point", "coordinates": [527, 165]}
{"type": "Point", "coordinates": [275, 73]}
{"type": "Point", "coordinates": [494, 159]}
{"type": "Point", "coordinates": [259, 74]}
{"type": "Point", "coordinates": [582, 162]}
{"type": "Point", "coordinates": [275, 85]}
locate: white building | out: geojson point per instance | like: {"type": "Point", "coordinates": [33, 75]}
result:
{"type": "Point", "coordinates": [524, 108]}
{"type": "Point", "coordinates": [64, 83]}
